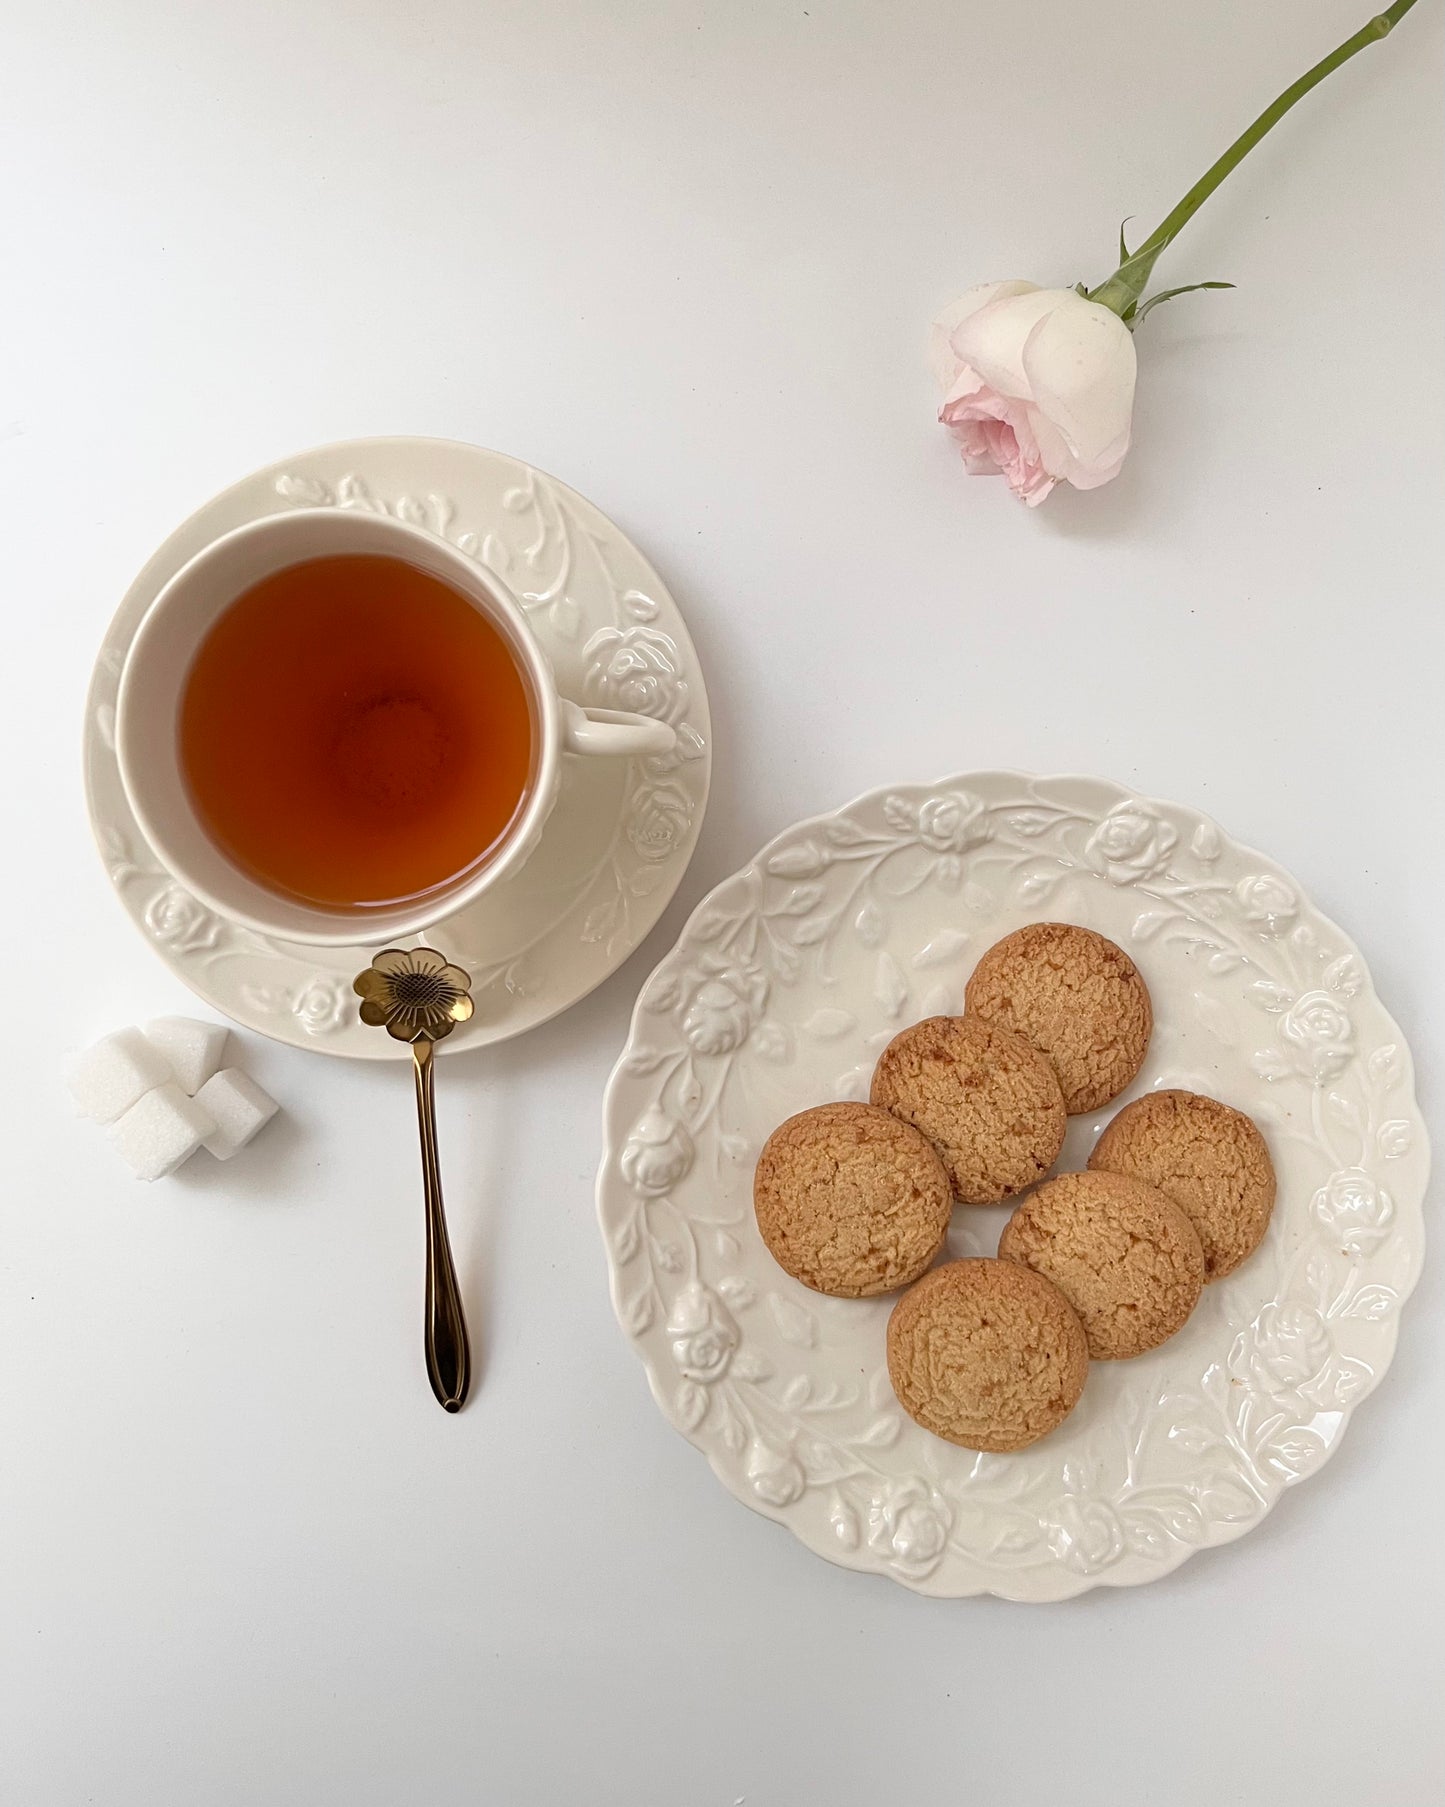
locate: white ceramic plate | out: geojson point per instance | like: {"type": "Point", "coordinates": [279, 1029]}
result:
{"type": "Point", "coordinates": [782, 989]}
{"type": "Point", "coordinates": [617, 843]}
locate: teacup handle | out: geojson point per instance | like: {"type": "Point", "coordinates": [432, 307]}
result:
{"type": "Point", "coordinates": [613, 732]}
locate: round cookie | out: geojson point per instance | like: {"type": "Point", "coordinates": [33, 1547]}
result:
{"type": "Point", "coordinates": [988, 1102]}
{"type": "Point", "coordinates": [1077, 997]}
{"type": "Point", "coordinates": [1127, 1260]}
{"type": "Point", "coordinates": [987, 1354]}
{"type": "Point", "coordinates": [851, 1201]}
{"type": "Point", "coordinates": [1204, 1156]}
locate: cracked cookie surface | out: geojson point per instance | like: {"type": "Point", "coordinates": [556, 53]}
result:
{"type": "Point", "coordinates": [1074, 995]}
{"type": "Point", "coordinates": [986, 1354]}
{"type": "Point", "coordinates": [850, 1200]}
{"type": "Point", "coordinates": [987, 1101]}
{"type": "Point", "coordinates": [1128, 1261]}
{"type": "Point", "coordinates": [1205, 1157]}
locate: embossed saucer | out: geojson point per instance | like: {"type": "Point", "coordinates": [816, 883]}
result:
{"type": "Point", "coordinates": [783, 987]}
{"type": "Point", "coordinates": [621, 835]}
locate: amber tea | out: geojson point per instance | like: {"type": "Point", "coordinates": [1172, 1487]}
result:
{"type": "Point", "coordinates": [354, 733]}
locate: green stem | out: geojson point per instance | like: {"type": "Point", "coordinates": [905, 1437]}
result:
{"type": "Point", "coordinates": [1127, 284]}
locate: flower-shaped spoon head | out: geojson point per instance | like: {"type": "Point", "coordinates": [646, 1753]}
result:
{"type": "Point", "coordinates": [415, 994]}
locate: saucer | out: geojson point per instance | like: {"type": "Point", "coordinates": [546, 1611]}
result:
{"type": "Point", "coordinates": [784, 987]}
{"type": "Point", "coordinates": [620, 837]}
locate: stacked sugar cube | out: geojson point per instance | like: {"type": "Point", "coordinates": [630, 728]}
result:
{"type": "Point", "coordinates": [163, 1093]}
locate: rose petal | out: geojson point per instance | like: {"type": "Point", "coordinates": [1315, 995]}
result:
{"type": "Point", "coordinates": [996, 435]}
{"type": "Point", "coordinates": [1081, 365]}
{"type": "Point", "coordinates": [943, 360]}
{"type": "Point", "coordinates": [968, 398]}
{"type": "Point", "coordinates": [991, 340]}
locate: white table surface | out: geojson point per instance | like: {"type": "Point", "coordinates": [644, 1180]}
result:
{"type": "Point", "coordinates": [683, 255]}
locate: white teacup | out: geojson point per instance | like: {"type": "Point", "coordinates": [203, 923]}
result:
{"type": "Point", "coordinates": [153, 680]}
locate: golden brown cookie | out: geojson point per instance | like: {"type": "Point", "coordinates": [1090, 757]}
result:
{"type": "Point", "coordinates": [1127, 1260]}
{"type": "Point", "coordinates": [1206, 1157]}
{"type": "Point", "coordinates": [1077, 997]}
{"type": "Point", "coordinates": [851, 1201]}
{"type": "Point", "coordinates": [986, 1100]}
{"type": "Point", "coordinates": [987, 1354]}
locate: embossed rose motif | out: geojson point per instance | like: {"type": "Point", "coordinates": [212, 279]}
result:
{"type": "Point", "coordinates": [703, 1333]}
{"type": "Point", "coordinates": [942, 828]}
{"type": "Point", "coordinates": [1318, 1036]}
{"type": "Point", "coordinates": [1352, 1210]}
{"type": "Point", "coordinates": [657, 1154]}
{"type": "Point", "coordinates": [1267, 902]}
{"type": "Point", "coordinates": [321, 1006]}
{"type": "Point", "coordinates": [1290, 1344]}
{"type": "Point", "coordinates": [658, 818]}
{"type": "Point", "coordinates": [1133, 842]}
{"type": "Point", "coordinates": [177, 921]}
{"type": "Point", "coordinates": [635, 668]}
{"type": "Point", "coordinates": [774, 1476]}
{"type": "Point", "coordinates": [909, 1525]}
{"type": "Point", "coordinates": [1084, 1534]}
{"type": "Point", "coordinates": [951, 823]}
{"type": "Point", "coordinates": [724, 1008]}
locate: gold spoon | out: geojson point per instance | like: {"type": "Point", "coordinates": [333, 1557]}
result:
{"type": "Point", "coordinates": [418, 997]}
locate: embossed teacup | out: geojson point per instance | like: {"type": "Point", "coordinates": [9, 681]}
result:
{"type": "Point", "coordinates": [157, 673]}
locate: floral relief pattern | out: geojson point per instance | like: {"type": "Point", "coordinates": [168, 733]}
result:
{"type": "Point", "coordinates": [908, 1526]}
{"type": "Point", "coordinates": [951, 822]}
{"type": "Point", "coordinates": [177, 921]}
{"type": "Point", "coordinates": [1133, 842]}
{"type": "Point", "coordinates": [322, 1006]}
{"type": "Point", "coordinates": [784, 986]}
{"type": "Point", "coordinates": [703, 1334]}
{"type": "Point", "coordinates": [657, 1154]}
{"type": "Point", "coordinates": [1267, 901]}
{"type": "Point", "coordinates": [774, 1475]}
{"type": "Point", "coordinates": [1084, 1533]}
{"type": "Point", "coordinates": [725, 1005]}
{"type": "Point", "coordinates": [1351, 1209]}
{"type": "Point", "coordinates": [635, 668]}
{"type": "Point", "coordinates": [1290, 1345]}
{"type": "Point", "coordinates": [1317, 1035]}
{"type": "Point", "coordinates": [658, 819]}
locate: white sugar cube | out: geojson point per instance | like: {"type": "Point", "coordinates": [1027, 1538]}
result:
{"type": "Point", "coordinates": [239, 1108]}
{"type": "Point", "coordinates": [112, 1075]}
{"type": "Point", "coordinates": [193, 1049]}
{"type": "Point", "coordinates": [161, 1130]}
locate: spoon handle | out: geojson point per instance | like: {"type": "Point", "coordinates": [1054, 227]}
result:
{"type": "Point", "coordinates": [448, 1354]}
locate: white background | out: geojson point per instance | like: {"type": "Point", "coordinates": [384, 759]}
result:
{"type": "Point", "coordinates": [684, 256]}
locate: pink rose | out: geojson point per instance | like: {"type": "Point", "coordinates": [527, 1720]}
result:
{"type": "Point", "coordinates": [1038, 385]}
